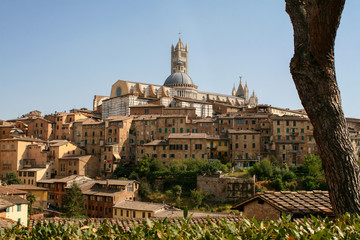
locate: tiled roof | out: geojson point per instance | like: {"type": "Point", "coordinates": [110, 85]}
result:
{"type": "Point", "coordinates": [128, 223]}
{"type": "Point", "coordinates": [7, 223]}
{"type": "Point", "coordinates": [242, 131]}
{"type": "Point", "coordinates": [14, 199]}
{"type": "Point", "coordinates": [27, 187]}
{"type": "Point", "coordinates": [156, 143]}
{"type": "Point", "coordinates": [188, 135]}
{"type": "Point", "coordinates": [138, 205]}
{"type": "Point", "coordinates": [55, 143]}
{"type": "Point", "coordinates": [6, 190]}
{"type": "Point", "coordinates": [299, 203]}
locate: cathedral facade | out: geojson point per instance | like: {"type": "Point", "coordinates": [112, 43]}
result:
{"type": "Point", "coordinates": [178, 90]}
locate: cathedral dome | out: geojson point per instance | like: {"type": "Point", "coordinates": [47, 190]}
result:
{"type": "Point", "coordinates": [178, 78]}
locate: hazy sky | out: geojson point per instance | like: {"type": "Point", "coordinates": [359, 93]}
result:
{"type": "Point", "coordinates": [56, 55]}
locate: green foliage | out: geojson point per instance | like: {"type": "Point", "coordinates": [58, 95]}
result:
{"type": "Point", "coordinates": [263, 170]}
{"type": "Point", "coordinates": [31, 198]}
{"type": "Point", "coordinates": [11, 178]}
{"type": "Point", "coordinates": [134, 176]}
{"type": "Point", "coordinates": [197, 197]}
{"type": "Point", "coordinates": [309, 183]}
{"type": "Point", "coordinates": [309, 176]}
{"type": "Point", "coordinates": [73, 202]}
{"type": "Point", "coordinates": [344, 227]}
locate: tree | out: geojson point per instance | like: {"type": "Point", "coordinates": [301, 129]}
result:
{"type": "Point", "coordinates": [315, 23]}
{"type": "Point", "coordinates": [31, 198]}
{"type": "Point", "coordinates": [11, 178]}
{"type": "Point", "coordinates": [74, 202]}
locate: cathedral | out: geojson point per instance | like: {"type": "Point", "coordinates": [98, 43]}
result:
{"type": "Point", "coordinates": [178, 90]}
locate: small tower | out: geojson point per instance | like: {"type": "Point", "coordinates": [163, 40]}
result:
{"type": "Point", "coordinates": [233, 91]}
{"type": "Point", "coordinates": [179, 58]}
{"type": "Point", "coordinates": [240, 90]}
{"type": "Point", "coordinates": [246, 92]}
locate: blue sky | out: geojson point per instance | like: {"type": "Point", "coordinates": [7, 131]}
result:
{"type": "Point", "coordinates": [56, 55]}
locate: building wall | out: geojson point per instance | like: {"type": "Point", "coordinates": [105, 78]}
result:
{"type": "Point", "coordinates": [11, 153]}
{"type": "Point", "coordinates": [261, 211]}
{"type": "Point", "coordinates": [32, 177]}
{"type": "Point", "coordinates": [128, 213]}
{"type": "Point", "coordinates": [292, 139]}
{"type": "Point", "coordinates": [226, 189]}
{"type": "Point", "coordinates": [18, 213]}
{"type": "Point", "coordinates": [41, 128]}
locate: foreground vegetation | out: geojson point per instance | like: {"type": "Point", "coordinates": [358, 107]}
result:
{"type": "Point", "coordinates": [345, 227]}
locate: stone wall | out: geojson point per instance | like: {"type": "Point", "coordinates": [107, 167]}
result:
{"type": "Point", "coordinates": [226, 189]}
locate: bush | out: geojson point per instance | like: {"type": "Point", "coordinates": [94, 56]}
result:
{"type": "Point", "coordinates": [344, 227]}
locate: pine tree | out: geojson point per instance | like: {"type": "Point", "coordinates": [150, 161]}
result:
{"type": "Point", "coordinates": [74, 202]}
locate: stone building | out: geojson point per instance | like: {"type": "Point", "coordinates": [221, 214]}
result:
{"type": "Point", "coordinates": [271, 205]}
{"type": "Point", "coordinates": [104, 194]}
{"type": "Point", "coordinates": [12, 152]}
{"type": "Point", "coordinates": [226, 189]}
{"type": "Point", "coordinates": [178, 90]}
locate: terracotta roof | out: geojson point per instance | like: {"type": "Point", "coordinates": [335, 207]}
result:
{"type": "Point", "coordinates": [7, 223]}
{"type": "Point", "coordinates": [55, 143]}
{"type": "Point", "coordinates": [295, 203]}
{"type": "Point", "coordinates": [141, 206]}
{"type": "Point", "coordinates": [242, 131]}
{"type": "Point", "coordinates": [156, 143]}
{"type": "Point", "coordinates": [24, 139]}
{"type": "Point", "coordinates": [188, 135]}
{"type": "Point", "coordinates": [128, 223]}
{"type": "Point", "coordinates": [6, 190]}
{"type": "Point", "coordinates": [116, 182]}
{"type": "Point", "coordinates": [26, 187]}
{"type": "Point", "coordinates": [14, 199]}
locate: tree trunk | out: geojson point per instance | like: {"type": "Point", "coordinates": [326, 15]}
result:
{"type": "Point", "coordinates": [315, 23]}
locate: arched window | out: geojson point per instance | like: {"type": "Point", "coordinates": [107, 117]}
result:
{"type": "Point", "coordinates": [118, 92]}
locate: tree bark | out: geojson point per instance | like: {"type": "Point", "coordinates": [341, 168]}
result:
{"type": "Point", "coordinates": [315, 23]}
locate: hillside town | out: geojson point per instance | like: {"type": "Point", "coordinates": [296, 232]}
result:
{"type": "Point", "coordinates": [46, 155]}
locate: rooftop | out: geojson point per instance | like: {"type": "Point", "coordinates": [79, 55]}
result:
{"type": "Point", "coordinates": [138, 205]}
{"type": "Point", "coordinates": [295, 203]}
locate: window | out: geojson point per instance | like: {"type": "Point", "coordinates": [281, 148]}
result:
{"type": "Point", "coordinates": [159, 130]}
{"type": "Point", "coordinates": [143, 215]}
{"type": "Point", "coordinates": [245, 145]}
{"type": "Point", "coordinates": [287, 130]}
{"type": "Point", "coordinates": [310, 138]}
{"type": "Point", "coordinates": [186, 156]}
{"type": "Point", "coordinates": [253, 145]}
{"type": "Point", "coordinates": [294, 123]}
{"type": "Point", "coordinates": [165, 130]}
{"type": "Point", "coordinates": [278, 122]}
{"type": "Point", "coordinates": [18, 207]}
{"type": "Point", "coordinates": [198, 146]}
{"type": "Point", "coordinates": [237, 145]}
{"type": "Point", "coordinates": [181, 130]}
{"type": "Point", "coordinates": [134, 214]}
{"type": "Point", "coordinates": [85, 134]}
{"type": "Point", "coordinates": [302, 130]}
{"type": "Point", "coordinates": [279, 137]}
{"type": "Point", "coordinates": [172, 155]}
{"type": "Point", "coordinates": [288, 138]}
{"type": "Point", "coordinates": [186, 147]}
{"type": "Point", "coordinates": [244, 137]}
{"type": "Point", "coordinates": [219, 143]}
{"type": "Point", "coordinates": [173, 130]}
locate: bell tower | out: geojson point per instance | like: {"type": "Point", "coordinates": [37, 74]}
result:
{"type": "Point", "coordinates": [179, 58]}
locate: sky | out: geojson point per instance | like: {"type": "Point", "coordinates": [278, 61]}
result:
{"type": "Point", "coordinates": [56, 55]}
